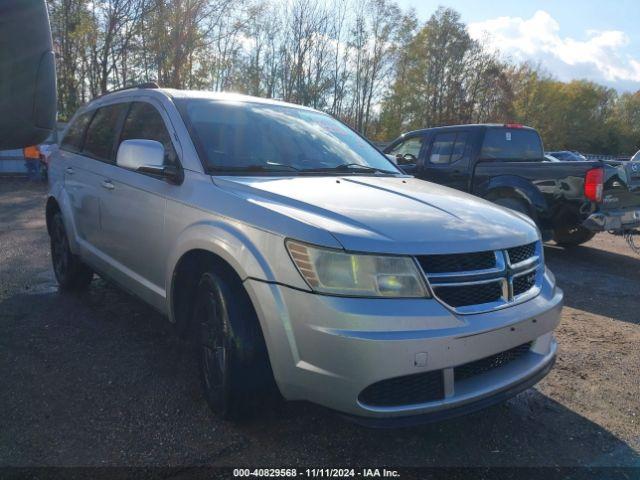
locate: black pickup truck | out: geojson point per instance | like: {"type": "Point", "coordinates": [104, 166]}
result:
{"type": "Point", "coordinates": [569, 201]}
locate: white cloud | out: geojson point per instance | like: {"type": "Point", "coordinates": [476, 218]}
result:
{"type": "Point", "coordinates": [599, 57]}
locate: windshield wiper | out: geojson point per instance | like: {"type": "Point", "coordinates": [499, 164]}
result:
{"type": "Point", "coordinates": [349, 167]}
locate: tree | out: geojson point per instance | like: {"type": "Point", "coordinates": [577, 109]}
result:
{"type": "Point", "coordinates": [371, 40]}
{"type": "Point", "coordinates": [71, 26]}
{"type": "Point", "coordinates": [367, 62]}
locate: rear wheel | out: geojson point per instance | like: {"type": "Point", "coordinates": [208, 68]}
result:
{"type": "Point", "coordinates": [69, 270]}
{"type": "Point", "coordinates": [571, 237]}
{"type": "Point", "coordinates": [234, 366]}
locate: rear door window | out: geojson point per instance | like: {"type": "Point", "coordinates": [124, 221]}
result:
{"type": "Point", "coordinates": [102, 131]}
{"type": "Point", "coordinates": [74, 137]}
{"type": "Point", "coordinates": [459, 147]}
{"type": "Point", "coordinates": [144, 122]}
{"type": "Point", "coordinates": [442, 148]}
{"type": "Point", "coordinates": [448, 147]}
{"type": "Point", "coordinates": [511, 144]}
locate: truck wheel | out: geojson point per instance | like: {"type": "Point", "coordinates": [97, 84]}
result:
{"type": "Point", "coordinates": [234, 366]}
{"type": "Point", "coordinates": [571, 237]}
{"type": "Point", "coordinates": [69, 270]}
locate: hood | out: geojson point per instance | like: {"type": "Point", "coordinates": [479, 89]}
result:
{"type": "Point", "coordinates": [387, 214]}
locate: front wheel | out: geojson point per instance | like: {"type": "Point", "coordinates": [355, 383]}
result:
{"type": "Point", "coordinates": [234, 366]}
{"type": "Point", "coordinates": [69, 270]}
{"type": "Point", "coordinates": [571, 237]}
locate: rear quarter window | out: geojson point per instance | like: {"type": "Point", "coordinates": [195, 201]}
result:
{"type": "Point", "coordinates": [511, 144]}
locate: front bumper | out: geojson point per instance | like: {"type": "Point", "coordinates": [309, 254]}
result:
{"type": "Point", "coordinates": [329, 349]}
{"type": "Point", "coordinates": [615, 221]}
{"type": "Point", "coordinates": [498, 396]}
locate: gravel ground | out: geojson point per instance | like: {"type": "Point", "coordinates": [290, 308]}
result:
{"type": "Point", "coordinates": [99, 379]}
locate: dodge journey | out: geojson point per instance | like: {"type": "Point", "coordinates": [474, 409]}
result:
{"type": "Point", "coordinates": [299, 258]}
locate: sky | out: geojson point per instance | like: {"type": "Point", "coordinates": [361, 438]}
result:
{"type": "Point", "coordinates": [593, 40]}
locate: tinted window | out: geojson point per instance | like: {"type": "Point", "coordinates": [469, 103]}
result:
{"type": "Point", "coordinates": [442, 148]}
{"type": "Point", "coordinates": [101, 133]}
{"type": "Point", "coordinates": [241, 136]}
{"type": "Point", "coordinates": [72, 141]}
{"type": "Point", "coordinates": [410, 146]}
{"type": "Point", "coordinates": [512, 144]}
{"type": "Point", "coordinates": [459, 147]}
{"type": "Point", "coordinates": [144, 122]}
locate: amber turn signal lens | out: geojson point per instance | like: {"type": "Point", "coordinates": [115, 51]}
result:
{"type": "Point", "coordinates": [32, 152]}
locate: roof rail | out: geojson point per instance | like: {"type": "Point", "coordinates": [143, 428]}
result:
{"type": "Point", "coordinates": [130, 87]}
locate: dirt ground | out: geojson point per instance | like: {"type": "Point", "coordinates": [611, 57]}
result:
{"type": "Point", "coordinates": [99, 379]}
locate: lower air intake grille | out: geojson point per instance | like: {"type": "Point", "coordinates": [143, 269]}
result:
{"type": "Point", "coordinates": [407, 390]}
{"type": "Point", "coordinates": [522, 253]}
{"type": "Point", "coordinates": [472, 294]}
{"type": "Point", "coordinates": [487, 364]}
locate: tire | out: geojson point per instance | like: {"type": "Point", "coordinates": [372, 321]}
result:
{"type": "Point", "coordinates": [235, 371]}
{"type": "Point", "coordinates": [70, 272]}
{"type": "Point", "coordinates": [572, 237]}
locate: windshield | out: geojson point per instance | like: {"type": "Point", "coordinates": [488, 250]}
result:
{"type": "Point", "coordinates": [636, 157]}
{"type": "Point", "coordinates": [512, 144]}
{"type": "Point", "coordinates": [240, 137]}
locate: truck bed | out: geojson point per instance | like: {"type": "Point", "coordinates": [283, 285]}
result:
{"type": "Point", "coordinates": [561, 185]}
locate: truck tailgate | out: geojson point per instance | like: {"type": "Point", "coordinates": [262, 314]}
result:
{"type": "Point", "coordinates": [621, 189]}
{"type": "Point", "coordinates": [620, 207]}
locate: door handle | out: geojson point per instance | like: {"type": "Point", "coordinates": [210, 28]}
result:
{"type": "Point", "coordinates": [108, 185]}
{"type": "Point", "coordinates": [69, 170]}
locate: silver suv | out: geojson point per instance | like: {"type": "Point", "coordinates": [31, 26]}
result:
{"type": "Point", "coordinates": [301, 259]}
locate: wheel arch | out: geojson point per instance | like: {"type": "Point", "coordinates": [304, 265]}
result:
{"type": "Point", "coordinates": [206, 246]}
{"type": "Point", "coordinates": [186, 275]}
{"type": "Point", "coordinates": [60, 202]}
{"type": "Point", "coordinates": [508, 186]}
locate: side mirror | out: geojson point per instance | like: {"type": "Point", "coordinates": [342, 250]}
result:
{"type": "Point", "coordinates": [27, 74]}
{"type": "Point", "coordinates": [147, 156]}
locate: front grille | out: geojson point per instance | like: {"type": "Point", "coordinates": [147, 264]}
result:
{"type": "Point", "coordinates": [472, 294]}
{"type": "Point", "coordinates": [458, 262]}
{"type": "Point", "coordinates": [478, 282]}
{"type": "Point", "coordinates": [487, 364]}
{"type": "Point", "coordinates": [521, 253]}
{"type": "Point", "coordinates": [523, 283]}
{"type": "Point", "coordinates": [406, 390]}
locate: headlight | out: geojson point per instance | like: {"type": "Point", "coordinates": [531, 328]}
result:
{"type": "Point", "coordinates": [335, 272]}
